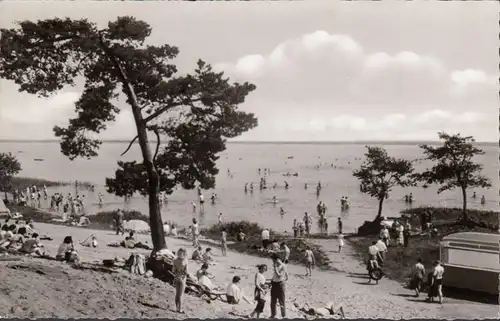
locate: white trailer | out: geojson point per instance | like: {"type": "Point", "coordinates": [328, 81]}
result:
{"type": "Point", "coordinates": [471, 261]}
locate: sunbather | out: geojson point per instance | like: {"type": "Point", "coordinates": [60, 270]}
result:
{"type": "Point", "coordinates": [204, 277]}
{"type": "Point", "coordinates": [33, 246]}
{"type": "Point", "coordinates": [196, 254]}
{"type": "Point", "coordinates": [67, 252]}
{"type": "Point", "coordinates": [234, 294]}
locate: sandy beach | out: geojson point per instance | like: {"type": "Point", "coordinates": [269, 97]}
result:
{"type": "Point", "coordinates": [65, 292]}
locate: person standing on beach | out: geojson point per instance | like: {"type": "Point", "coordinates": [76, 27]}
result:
{"type": "Point", "coordinates": [219, 219]}
{"type": "Point", "coordinates": [119, 222]}
{"type": "Point", "coordinates": [339, 225]}
{"type": "Point", "coordinates": [418, 277]}
{"type": "Point", "coordinates": [195, 233]}
{"type": "Point", "coordinates": [310, 261]}
{"type": "Point", "coordinates": [223, 244]}
{"type": "Point", "coordinates": [278, 281]}
{"type": "Point", "coordinates": [436, 287]}
{"type": "Point", "coordinates": [341, 242]}
{"type": "Point", "coordinates": [384, 233]}
{"type": "Point", "coordinates": [180, 272]}
{"type": "Point", "coordinates": [265, 238]}
{"type": "Point", "coordinates": [260, 291]}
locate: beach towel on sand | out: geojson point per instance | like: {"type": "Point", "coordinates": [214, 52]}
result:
{"type": "Point", "coordinates": [137, 264]}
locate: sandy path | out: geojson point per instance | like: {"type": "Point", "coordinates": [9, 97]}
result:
{"type": "Point", "coordinates": [386, 300]}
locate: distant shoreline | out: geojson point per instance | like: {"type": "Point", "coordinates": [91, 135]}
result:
{"type": "Point", "coordinates": [374, 142]}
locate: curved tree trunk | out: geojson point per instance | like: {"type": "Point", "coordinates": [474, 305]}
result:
{"type": "Point", "coordinates": [380, 206]}
{"type": "Point", "coordinates": [155, 221]}
{"type": "Point", "coordinates": [465, 218]}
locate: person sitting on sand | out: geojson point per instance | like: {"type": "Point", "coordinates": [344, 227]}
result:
{"type": "Point", "coordinates": [196, 254]}
{"type": "Point", "coordinates": [234, 294]}
{"type": "Point", "coordinates": [16, 242]}
{"type": "Point", "coordinates": [173, 230]}
{"type": "Point", "coordinates": [207, 256]}
{"type": "Point", "coordinates": [9, 234]}
{"type": "Point", "coordinates": [67, 252]}
{"type": "Point", "coordinates": [204, 277]}
{"type": "Point", "coordinates": [33, 246]}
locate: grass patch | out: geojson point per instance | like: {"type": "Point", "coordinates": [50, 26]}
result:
{"type": "Point", "coordinates": [399, 262]}
{"type": "Point", "coordinates": [253, 242]}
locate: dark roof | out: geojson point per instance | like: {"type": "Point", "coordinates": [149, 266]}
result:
{"type": "Point", "coordinates": [473, 236]}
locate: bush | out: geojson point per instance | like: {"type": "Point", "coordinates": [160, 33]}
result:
{"type": "Point", "coordinates": [232, 229]}
{"type": "Point", "coordinates": [446, 216]}
{"type": "Point", "coordinates": [106, 219]}
{"type": "Point", "coordinates": [253, 243]}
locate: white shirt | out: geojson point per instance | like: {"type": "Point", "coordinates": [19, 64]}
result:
{"type": "Point", "coordinates": [234, 291]}
{"type": "Point", "coordinates": [373, 250]}
{"type": "Point", "coordinates": [265, 235]}
{"type": "Point", "coordinates": [381, 246]}
{"type": "Point", "coordinates": [195, 229]}
{"type": "Point", "coordinates": [202, 198]}
{"type": "Point", "coordinates": [260, 279]}
{"type": "Point", "coordinates": [385, 233]}
{"type": "Point", "coordinates": [438, 272]}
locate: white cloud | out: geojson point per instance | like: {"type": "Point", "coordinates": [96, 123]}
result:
{"type": "Point", "coordinates": [336, 69]}
{"type": "Point", "coordinates": [38, 111]}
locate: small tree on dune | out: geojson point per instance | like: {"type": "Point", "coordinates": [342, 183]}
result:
{"type": "Point", "coordinates": [379, 173]}
{"type": "Point", "coordinates": [9, 167]}
{"type": "Point", "coordinates": [193, 114]}
{"type": "Point", "coordinates": [454, 166]}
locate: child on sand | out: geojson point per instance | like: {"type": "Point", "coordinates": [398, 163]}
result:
{"type": "Point", "coordinates": [180, 276]}
{"type": "Point", "coordinates": [310, 261]}
{"type": "Point", "coordinates": [341, 242]}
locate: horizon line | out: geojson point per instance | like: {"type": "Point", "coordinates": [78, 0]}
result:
{"type": "Point", "coordinates": [270, 142]}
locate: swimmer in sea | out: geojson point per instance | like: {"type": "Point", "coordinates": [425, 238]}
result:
{"type": "Point", "coordinates": [275, 200]}
{"type": "Point", "coordinates": [282, 211]}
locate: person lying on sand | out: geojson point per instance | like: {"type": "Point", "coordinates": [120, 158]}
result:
{"type": "Point", "coordinates": [33, 246]}
{"type": "Point", "coordinates": [90, 242]}
{"type": "Point", "coordinates": [131, 243]}
{"type": "Point", "coordinates": [196, 254]}
{"type": "Point", "coordinates": [67, 252]}
{"type": "Point", "coordinates": [328, 309]}
{"type": "Point", "coordinates": [234, 294]}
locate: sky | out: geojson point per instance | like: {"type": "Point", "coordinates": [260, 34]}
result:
{"type": "Point", "coordinates": [324, 70]}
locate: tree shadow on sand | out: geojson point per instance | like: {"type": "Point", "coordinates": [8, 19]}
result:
{"type": "Point", "coordinates": [455, 294]}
